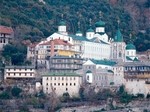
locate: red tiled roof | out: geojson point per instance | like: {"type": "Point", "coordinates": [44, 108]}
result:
{"type": "Point", "coordinates": [5, 29]}
{"type": "Point", "coordinates": [57, 42]}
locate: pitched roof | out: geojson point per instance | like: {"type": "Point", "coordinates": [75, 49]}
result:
{"type": "Point", "coordinates": [97, 40]}
{"type": "Point", "coordinates": [19, 67]}
{"type": "Point", "coordinates": [63, 74]}
{"type": "Point", "coordinates": [80, 38]}
{"type": "Point", "coordinates": [5, 29]}
{"type": "Point", "coordinates": [104, 62]}
{"type": "Point", "coordinates": [57, 42]}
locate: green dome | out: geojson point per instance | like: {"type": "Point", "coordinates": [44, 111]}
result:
{"type": "Point", "coordinates": [118, 37]}
{"type": "Point", "coordinates": [88, 71]}
{"type": "Point", "coordinates": [62, 23]}
{"type": "Point", "coordinates": [130, 47]}
{"type": "Point", "coordinates": [90, 30]}
{"type": "Point", "coordinates": [78, 31]}
{"type": "Point", "coordinates": [100, 24]}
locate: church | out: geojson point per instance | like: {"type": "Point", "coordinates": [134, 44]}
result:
{"type": "Point", "coordinates": [95, 44]}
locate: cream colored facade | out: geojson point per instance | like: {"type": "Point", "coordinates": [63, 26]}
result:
{"type": "Point", "coordinates": [60, 84]}
{"type": "Point", "coordinates": [118, 75]}
{"type": "Point", "coordinates": [137, 78]}
{"type": "Point", "coordinates": [137, 86]}
{"type": "Point", "coordinates": [14, 72]}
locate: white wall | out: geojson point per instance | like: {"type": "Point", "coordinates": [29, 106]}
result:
{"type": "Point", "coordinates": [49, 83]}
{"type": "Point", "coordinates": [97, 51]}
{"type": "Point", "coordinates": [135, 86]}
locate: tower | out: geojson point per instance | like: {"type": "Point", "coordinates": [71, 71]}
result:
{"type": "Point", "coordinates": [100, 25]}
{"type": "Point", "coordinates": [62, 26]}
{"type": "Point", "coordinates": [130, 51]}
{"type": "Point", "coordinates": [118, 47]}
{"type": "Point", "coordinates": [90, 32]}
{"type": "Point", "coordinates": [79, 33]}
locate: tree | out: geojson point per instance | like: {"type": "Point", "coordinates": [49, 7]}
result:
{"type": "Point", "coordinates": [4, 95]}
{"type": "Point", "coordinates": [14, 53]}
{"type": "Point", "coordinates": [15, 91]}
{"type": "Point", "coordinates": [65, 97]}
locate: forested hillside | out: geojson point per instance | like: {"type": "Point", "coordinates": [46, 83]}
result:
{"type": "Point", "coordinates": [33, 20]}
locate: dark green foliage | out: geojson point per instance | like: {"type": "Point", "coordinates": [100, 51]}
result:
{"type": "Point", "coordinates": [104, 94]}
{"type": "Point", "coordinates": [65, 97]}
{"type": "Point", "coordinates": [140, 95]}
{"type": "Point", "coordinates": [81, 93]}
{"type": "Point", "coordinates": [148, 96]}
{"type": "Point", "coordinates": [24, 108]}
{"type": "Point", "coordinates": [34, 20]}
{"type": "Point", "coordinates": [15, 91]}
{"type": "Point", "coordinates": [123, 95]}
{"type": "Point", "coordinates": [14, 54]}
{"type": "Point", "coordinates": [5, 95]}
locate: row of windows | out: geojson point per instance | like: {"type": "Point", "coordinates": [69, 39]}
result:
{"type": "Point", "coordinates": [61, 84]}
{"type": "Point", "coordinates": [20, 74]}
{"type": "Point", "coordinates": [20, 69]}
{"type": "Point", "coordinates": [55, 89]}
{"type": "Point", "coordinates": [60, 78]}
{"type": "Point", "coordinates": [137, 68]}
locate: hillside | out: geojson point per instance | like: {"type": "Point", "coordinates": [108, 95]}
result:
{"type": "Point", "coordinates": [33, 20]}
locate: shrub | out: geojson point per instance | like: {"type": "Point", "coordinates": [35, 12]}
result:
{"type": "Point", "coordinates": [4, 95]}
{"type": "Point", "coordinates": [16, 91]}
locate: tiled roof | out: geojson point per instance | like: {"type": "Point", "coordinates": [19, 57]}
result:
{"type": "Point", "coordinates": [80, 38]}
{"type": "Point", "coordinates": [57, 42]}
{"type": "Point", "coordinates": [104, 62]}
{"type": "Point", "coordinates": [63, 74]}
{"type": "Point", "coordinates": [5, 29]}
{"type": "Point", "coordinates": [19, 67]}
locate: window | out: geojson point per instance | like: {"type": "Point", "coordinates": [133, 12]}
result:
{"type": "Point", "coordinates": [25, 74]}
{"type": "Point", "coordinates": [30, 74]}
{"type": "Point", "coordinates": [74, 78]}
{"type": "Point", "coordinates": [70, 84]}
{"type": "Point", "coordinates": [62, 78]}
{"type": "Point", "coordinates": [66, 89]}
{"type": "Point", "coordinates": [8, 74]}
{"type": "Point", "coordinates": [47, 84]}
{"type": "Point", "coordinates": [74, 84]}
{"type": "Point", "coordinates": [62, 84]}
{"type": "Point", "coordinates": [47, 78]}
{"type": "Point", "coordinates": [58, 84]}
{"type": "Point", "coordinates": [54, 88]}
{"type": "Point", "coordinates": [66, 84]}
{"type": "Point", "coordinates": [19, 74]}
{"type": "Point", "coordinates": [55, 84]}
{"type": "Point", "coordinates": [55, 78]}
{"type": "Point", "coordinates": [14, 74]}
